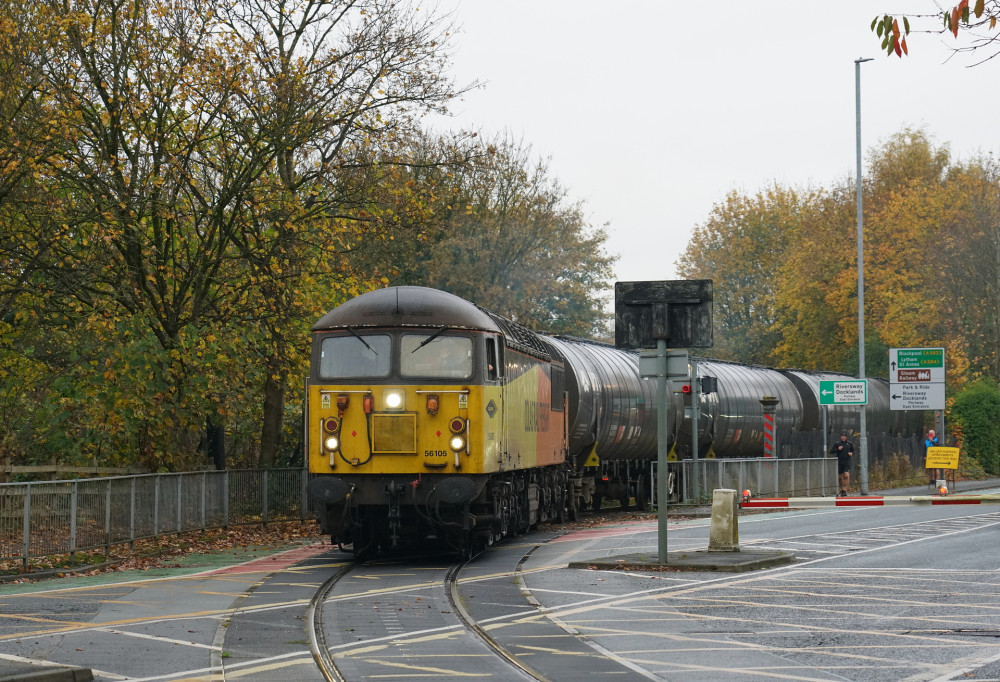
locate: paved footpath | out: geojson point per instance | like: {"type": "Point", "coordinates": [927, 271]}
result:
{"type": "Point", "coordinates": [41, 638]}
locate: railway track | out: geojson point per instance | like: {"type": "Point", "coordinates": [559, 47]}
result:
{"type": "Point", "coordinates": [317, 635]}
{"type": "Point", "coordinates": [408, 614]}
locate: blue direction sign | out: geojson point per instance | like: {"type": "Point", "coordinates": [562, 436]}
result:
{"type": "Point", "coordinates": [843, 392]}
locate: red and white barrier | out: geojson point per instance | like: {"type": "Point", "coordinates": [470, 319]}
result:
{"type": "Point", "coordinates": [768, 435]}
{"type": "Point", "coordinates": [863, 501]}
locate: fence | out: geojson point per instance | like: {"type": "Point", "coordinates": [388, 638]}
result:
{"type": "Point", "coordinates": [65, 517]}
{"type": "Point", "coordinates": [762, 476]}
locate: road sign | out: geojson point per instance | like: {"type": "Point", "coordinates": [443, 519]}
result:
{"type": "Point", "coordinates": [916, 396]}
{"type": "Point", "coordinates": [916, 364]}
{"type": "Point", "coordinates": [843, 392]}
{"type": "Point", "coordinates": [675, 364]}
{"type": "Point", "coordinates": [941, 458]}
{"type": "Point", "coordinates": [916, 378]}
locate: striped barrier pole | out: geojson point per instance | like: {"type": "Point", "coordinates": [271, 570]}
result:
{"type": "Point", "coordinates": [867, 501]}
{"type": "Point", "coordinates": [769, 403]}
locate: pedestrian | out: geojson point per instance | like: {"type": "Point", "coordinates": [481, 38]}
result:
{"type": "Point", "coordinates": [844, 449]}
{"type": "Point", "coordinates": [931, 441]}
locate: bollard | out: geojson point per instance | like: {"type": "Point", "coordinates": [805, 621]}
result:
{"type": "Point", "coordinates": [724, 534]}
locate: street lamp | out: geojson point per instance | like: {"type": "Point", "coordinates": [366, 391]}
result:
{"type": "Point", "coordinates": [863, 443]}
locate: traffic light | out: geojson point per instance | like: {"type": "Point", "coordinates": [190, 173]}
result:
{"type": "Point", "coordinates": [709, 385]}
{"type": "Point", "coordinates": [686, 389]}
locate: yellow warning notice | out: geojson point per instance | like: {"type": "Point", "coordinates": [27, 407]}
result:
{"type": "Point", "coordinates": [941, 458]}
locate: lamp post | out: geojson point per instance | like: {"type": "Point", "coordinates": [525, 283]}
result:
{"type": "Point", "coordinates": [863, 443]}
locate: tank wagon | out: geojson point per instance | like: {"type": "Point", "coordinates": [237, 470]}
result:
{"type": "Point", "coordinates": [429, 416]}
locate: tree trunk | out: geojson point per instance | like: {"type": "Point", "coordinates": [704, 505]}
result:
{"type": "Point", "coordinates": [274, 413]}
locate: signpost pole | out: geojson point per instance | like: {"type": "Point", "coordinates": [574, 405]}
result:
{"type": "Point", "coordinates": [678, 311]}
{"type": "Point", "coordinates": [695, 410]}
{"type": "Point", "coordinates": [662, 441]}
{"type": "Point", "coordinates": [861, 277]}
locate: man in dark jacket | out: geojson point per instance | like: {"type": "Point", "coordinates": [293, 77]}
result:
{"type": "Point", "coordinates": [844, 449]}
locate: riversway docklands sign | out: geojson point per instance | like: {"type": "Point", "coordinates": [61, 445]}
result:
{"type": "Point", "coordinates": [843, 392]}
{"type": "Point", "coordinates": [916, 378]}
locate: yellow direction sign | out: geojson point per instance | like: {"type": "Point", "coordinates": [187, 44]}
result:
{"type": "Point", "coordinates": [941, 458]}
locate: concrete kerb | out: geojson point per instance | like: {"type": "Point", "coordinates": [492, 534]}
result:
{"type": "Point", "coordinates": [699, 560]}
{"type": "Point", "coordinates": [14, 672]}
{"type": "Point", "coordinates": [723, 553]}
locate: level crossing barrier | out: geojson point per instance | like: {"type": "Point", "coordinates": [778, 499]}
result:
{"type": "Point", "coordinates": [863, 501]}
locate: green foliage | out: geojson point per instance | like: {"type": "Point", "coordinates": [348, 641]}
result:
{"type": "Point", "coordinates": [975, 419]}
{"type": "Point", "coordinates": [184, 190]}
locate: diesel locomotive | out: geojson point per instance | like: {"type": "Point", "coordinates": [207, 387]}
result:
{"type": "Point", "coordinates": [428, 416]}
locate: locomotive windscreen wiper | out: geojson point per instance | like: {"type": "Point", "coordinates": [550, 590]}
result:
{"type": "Point", "coordinates": [428, 339]}
{"type": "Point", "coordinates": [351, 329]}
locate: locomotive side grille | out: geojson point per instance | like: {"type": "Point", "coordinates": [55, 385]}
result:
{"type": "Point", "coordinates": [394, 433]}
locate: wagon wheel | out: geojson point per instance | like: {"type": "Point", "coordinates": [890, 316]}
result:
{"type": "Point", "coordinates": [642, 493]}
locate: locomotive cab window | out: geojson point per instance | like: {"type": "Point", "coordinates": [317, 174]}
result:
{"type": "Point", "coordinates": [432, 355]}
{"type": "Point", "coordinates": [493, 366]}
{"type": "Point", "coordinates": [355, 356]}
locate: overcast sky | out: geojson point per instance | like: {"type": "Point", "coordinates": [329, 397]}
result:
{"type": "Point", "coordinates": [652, 111]}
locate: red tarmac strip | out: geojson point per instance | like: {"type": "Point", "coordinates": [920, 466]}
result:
{"type": "Point", "coordinates": [276, 562]}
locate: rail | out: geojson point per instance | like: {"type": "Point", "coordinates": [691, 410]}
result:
{"type": "Point", "coordinates": [47, 518]}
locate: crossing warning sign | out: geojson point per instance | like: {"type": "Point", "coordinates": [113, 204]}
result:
{"type": "Point", "coordinates": [941, 458]}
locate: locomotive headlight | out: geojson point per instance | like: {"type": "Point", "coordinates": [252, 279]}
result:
{"type": "Point", "coordinates": [457, 443]}
{"type": "Point", "coordinates": [393, 399]}
{"type": "Point", "coordinates": [332, 443]}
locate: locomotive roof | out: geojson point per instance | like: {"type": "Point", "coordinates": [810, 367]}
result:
{"type": "Point", "coordinates": [411, 306]}
{"type": "Point", "coordinates": [406, 307]}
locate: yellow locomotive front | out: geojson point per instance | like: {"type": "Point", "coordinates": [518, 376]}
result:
{"type": "Point", "coordinates": [417, 425]}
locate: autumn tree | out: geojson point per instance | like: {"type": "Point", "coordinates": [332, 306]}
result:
{"type": "Point", "coordinates": [786, 281]}
{"type": "Point", "coordinates": [815, 287]}
{"type": "Point", "coordinates": [742, 247]}
{"type": "Point", "coordinates": [496, 228]}
{"type": "Point", "coordinates": [199, 214]}
{"type": "Point", "coordinates": [337, 84]}
{"type": "Point", "coordinates": [905, 201]}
